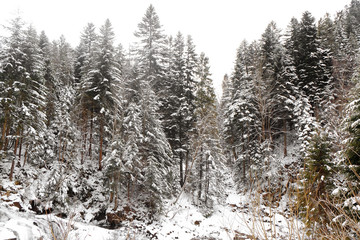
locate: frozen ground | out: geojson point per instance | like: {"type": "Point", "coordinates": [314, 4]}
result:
{"type": "Point", "coordinates": [236, 218]}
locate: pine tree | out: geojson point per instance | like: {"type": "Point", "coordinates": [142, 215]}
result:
{"type": "Point", "coordinates": [23, 94]}
{"type": "Point", "coordinates": [271, 64]}
{"type": "Point", "coordinates": [317, 183]}
{"type": "Point", "coordinates": [242, 125]}
{"type": "Point", "coordinates": [150, 50]}
{"type": "Point", "coordinates": [173, 117]}
{"type": "Point", "coordinates": [223, 118]}
{"type": "Point", "coordinates": [326, 34]}
{"type": "Point", "coordinates": [107, 86]}
{"type": "Point", "coordinates": [352, 159]}
{"type": "Point", "coordinates": [205, 180]}
{"type": "Point", "coordinates": [308, 60]}
{"type": "Point", "coordinates": [279, 78]}
{"type": "Point", "coordinates": [148, 75]}
{"type": "Point", "coordinates": [84, 65]}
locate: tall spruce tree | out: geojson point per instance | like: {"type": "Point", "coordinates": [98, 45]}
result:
{"type": "Point", "coordinates": [23, 95]}
{"type": "Point", "coordinates": [84, 65]}
{"type": "Point", "coordinates": [206, 181]}
{"type": "Point", "coordinates": [150, 49]}
{"type": "Point", "coordinates": [154, 149]}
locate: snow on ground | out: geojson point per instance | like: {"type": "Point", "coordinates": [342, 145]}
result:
{"type": "Point", "coordinates": [238, 216]}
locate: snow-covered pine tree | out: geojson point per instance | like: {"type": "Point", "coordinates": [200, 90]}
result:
{"type": "Point", "coordinates": [83, 73]}
{"type": "Point", "coordinates": [173, 116]}
{"type": "Point", "coordinates": [326, 33]}
{"type": "Point", "coordinates": [242, 128]}
{"type": "Point", "coordinates": [154, 150]}
{"type": "Point", "coordinates": [317, 182]}
{"type": "Point", "coordinates": [205, 176]}
{"type": "Point", "coordinates": [34, 100]}
{"type": "Point", "coordinates": [279, 79]}
{"type": "Point", "coordinates": [313, 64]}
{"type": "Point", "coordinates": [62, 126]}
{"type": "Point", "coordinates": [107, 86]}
{"type": "Point", "coordinates": [150, 50]}
{"type": "Point", "coordinates": [50, 84]}
{"type": "Point", "coordinates": [271, 63]}
{"type": "Point", "coordinates": [188, 104]}
{"type": "Point", "coordinates": [223, 118]}
{"type": "Point", "coordinates": [23, 94]}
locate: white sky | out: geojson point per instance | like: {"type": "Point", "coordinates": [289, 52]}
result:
{"type": "Point", "coordinates": [217, 26]}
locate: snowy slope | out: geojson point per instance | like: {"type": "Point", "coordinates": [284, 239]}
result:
{"type": "Point", "coordinates": [238, 217]}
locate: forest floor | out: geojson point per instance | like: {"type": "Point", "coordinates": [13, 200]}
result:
{"type": "Point", "coordinates": [239, 216]}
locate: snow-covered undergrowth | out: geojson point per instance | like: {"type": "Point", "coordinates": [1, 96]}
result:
{"type": "Point", "coordinates": [239, 216]}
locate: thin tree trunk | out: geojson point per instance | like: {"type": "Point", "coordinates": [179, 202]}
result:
{"type": "Point", "coordinates": [16, 145]}
{"type": "Point", "coordinates": [186, 165]}
{"type": "Point", "coordinates": [244, 164]}
{"type": "Point", "coordinates": [101, 145]}
{"type": "Point", "coordinates": [84, 138]}
{"type": "Point", "coordinates": [6, 139]}
{"type": "Point", "coordinates": [17, 141]}
{"type": "Point", "coordinates": [200, 173]}
{"type": "Point", "coordinates": [20, 147]}
{"type": "Point", "coordinates": [59, 147]}
{"type": "Point", "coordinates": [63, 152]}
{"type": "Point", "coordinates": [26, 154]}
{"type": "Point", "coordinates": [128, 190]}
{"type": "Point", "coordinates": [83, 153]}
{"type": "Point", "coordinates": [91, 133]}
{"type": "Point", "coordinates": [2, 144]}
{"type": "Point", "coordinates": [285, 142]}
{"type": "Point", "coordinates": [111, 195]}
{"type": "Point", "coordinates": [181, 171]}
{"type": "Point", "coordinates": [207, 181]}
{"type": "Point", "coordinates": [234, 153]}
{"type": "Point", "coordinates": [12, 169]}
{"type": "Point", "coordinates": [116, 202]}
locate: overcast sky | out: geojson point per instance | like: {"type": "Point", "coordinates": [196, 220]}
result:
{"type": "Point", "coordinates": [217, 26]}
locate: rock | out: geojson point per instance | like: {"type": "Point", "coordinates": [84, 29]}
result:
{"type": "Point", "coordinates": [113, 219]}
{"type": "Point", "coordinates": [197, 223]}
{"type": "Point", "coordinates": [18, 205]}
{"type": "Point", "coordinates": [61, 215]}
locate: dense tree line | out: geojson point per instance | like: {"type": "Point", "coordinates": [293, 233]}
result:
{"type": "Point", "coordinates": [297, 88]}
{"type": "Point", "coordinates": [143, 121]}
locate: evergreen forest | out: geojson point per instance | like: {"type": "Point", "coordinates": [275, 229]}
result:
{"type": "Point", "coordinates": [114, 137]}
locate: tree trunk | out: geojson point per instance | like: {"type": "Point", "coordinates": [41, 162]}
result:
{"type": "Point", "coordinates": [16, 146]}
{"type": "Point", "coordinates": [181, 171]}
{"type": "Point", "coordinates": [84, 138]}
{"type": "Point", "coordinates": [111, 195]}
{"type": "Point", "coordinates": [128, 190]}
{"type": "Point", "coordinates": [234, 153]}
{"type": "Point", "coordinates": [207, 180]}
{"type": "Point", "coordinates": [91, 133]}
{"type": "Point", "coordinates": [63, 152]}
{"type": "Point", "coordinates": [101, 145]}
{"type": "Point", "coordinates": [244, 164]}
{"type": "Point", "coordinates": [186, 165]}
{"type": "Point", "coordinates": [59, 147]}
{"type": "Point", "coordinates": [20, 147]}
{"type": "Point", "coordinates": [285, 142]}
{"type": "Point", "coordinates": [12, 169]}
{"type": "Point", "coordinates": [6, 139]}
{"type": "Point", "coordinates": [26, 153]}
{"type": "Point", "coordinates": [2, 144]}
{"type": "Point", "coordinates": [200, 173]}
{"type": "Point", "coordinates": [116, 204]}
{"type": "Point", "coordinates": [17, 141]}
